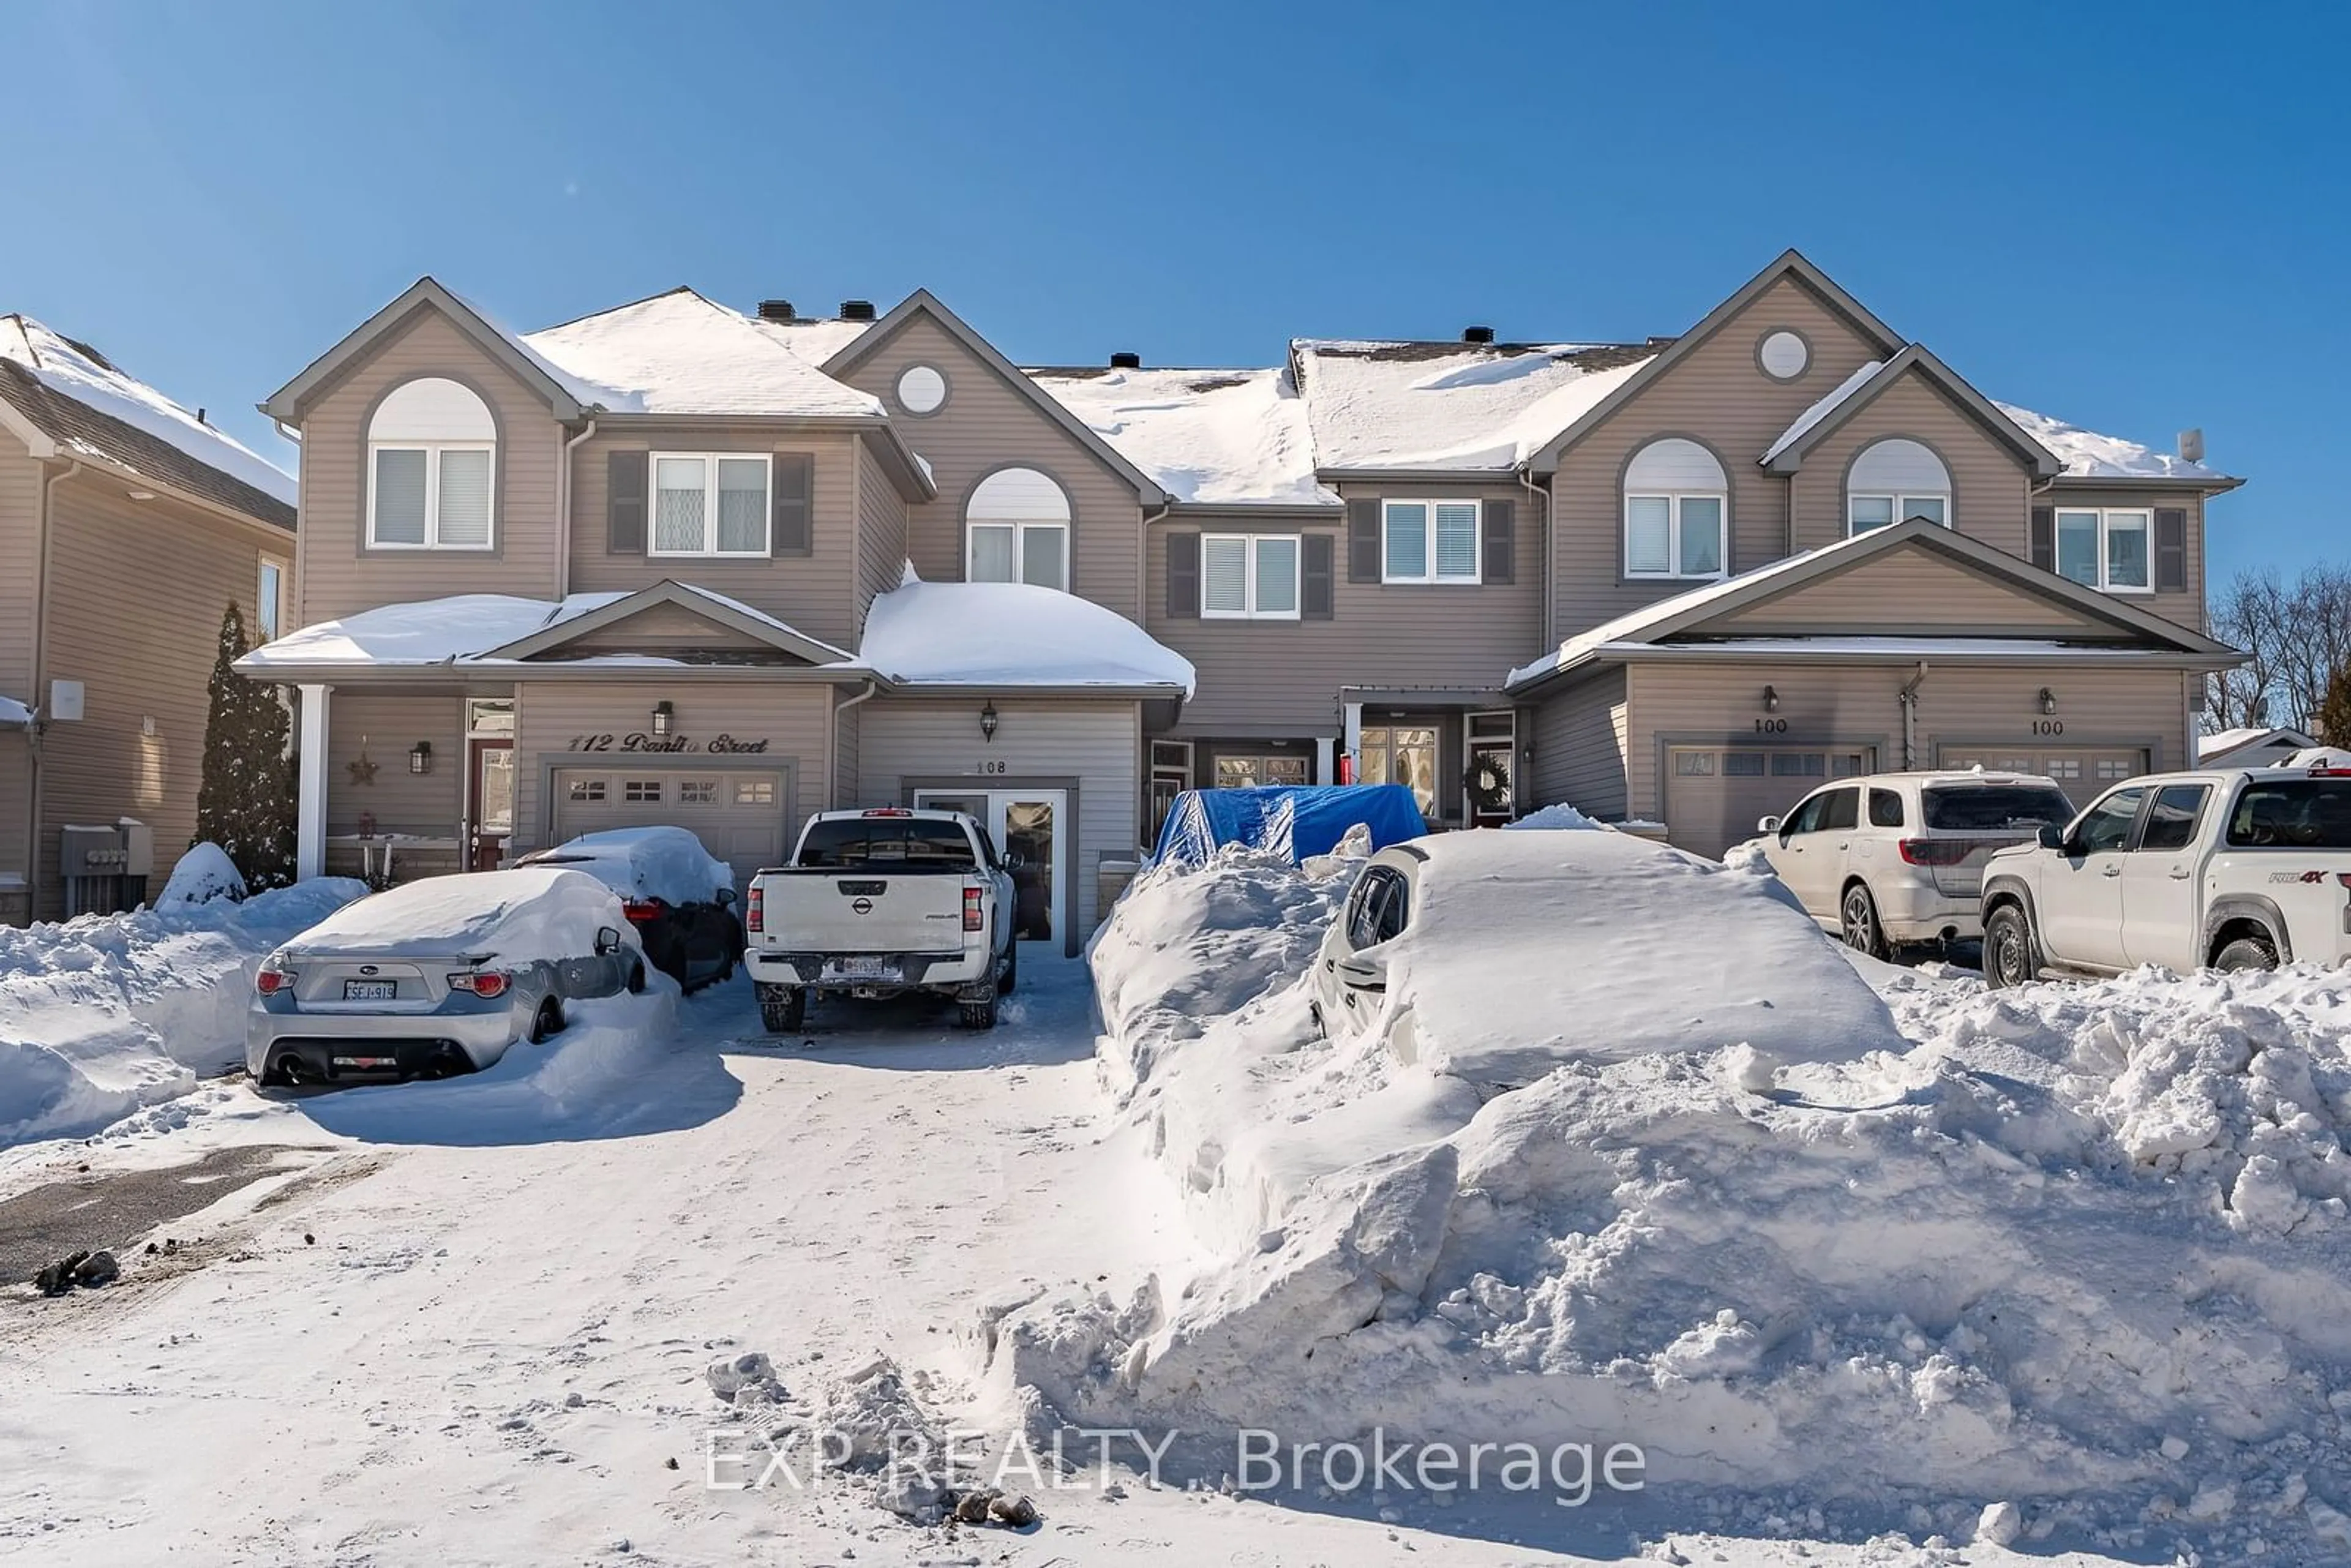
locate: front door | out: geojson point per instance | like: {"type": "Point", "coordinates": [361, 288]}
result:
{"type": "Point", "coordinates": [489, 801]}
{"type": "Point", "coordinates": [1030, 828]}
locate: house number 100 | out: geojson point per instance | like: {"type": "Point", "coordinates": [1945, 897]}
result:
{"type": "Point", "coordinates": [2048, 726]}
{"type": "Point", "coordinates": [1770, 726]}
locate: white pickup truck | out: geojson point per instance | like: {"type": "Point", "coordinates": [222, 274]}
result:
{"type": "Point", "coordinates": [879, 902]}
{"type": "Point", "coordinates": [2233, 869]}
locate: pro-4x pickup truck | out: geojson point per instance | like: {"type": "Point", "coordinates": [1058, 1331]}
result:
{"type": "Point", "coordinates": [2233, 869]}
{"type": "Point", "coordinates": [879, 902]}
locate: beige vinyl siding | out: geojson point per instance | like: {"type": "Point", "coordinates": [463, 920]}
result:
{"type": "Point", "coordinates": [814, 593]}
{"type": "Point", "coordinates": [2188, 609]}
{"type": "Point", "coordinates": [1989, 483]}
{"type": "Point", "coordinates": [140, 653]}
{"type": "Point", "coordinates": [665, 629]}
{"type": "Point", "coordinates": [985, 425]}
{"type": "Point", "coordinates": [793, 719]}
{"type": "Point", "coordinates": [1910, 592]}
{"type": "Point", "coordinates": [336, 574]}
{"type": "Point", "coordinates": [880, 532]}
{"type": "Point", "coordinates": [1858, 706]}
{"type": "Point", "coordinates": [1715, 395]}
{"type": "Point", "coordinates": [430, 804]}
{"type": "Point", "coordinates": [847, 731]}
{"type": "Point", "coordinates": [16, 808]}
{"type": "Point", "coordinates": [1579, 748]}
{"type": "Point", "coordinates": [20, 522]}
{"type": "Point", "coordinates": [907, 743]}
{"type": "Point", "coordinates": [1281, 678]}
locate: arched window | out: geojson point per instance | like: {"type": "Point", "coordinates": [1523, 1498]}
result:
{"type": "Point", "coordinates": [1676, 511]}
{"type": "Point", "coordinates": [1016, 529]}
{"type": "Point", "coordinates": [1894, 481]}
{"type": "Point", "coordinates": [432, 452]}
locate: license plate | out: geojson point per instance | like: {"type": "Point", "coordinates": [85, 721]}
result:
{"type": "Point", "coordinates": [865, 970]}
{"type": "Point", "coordinates": [369, 990]}
{"type": "Point", "coordinates": [368, 1063]}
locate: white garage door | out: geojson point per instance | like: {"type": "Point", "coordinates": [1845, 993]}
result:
{"type": "Point", "coordinates": [738, 816]}
{"type": "Point", "coordinates": [2084, 772]}
{"type": "Point", "coordinates": [1716, 794]}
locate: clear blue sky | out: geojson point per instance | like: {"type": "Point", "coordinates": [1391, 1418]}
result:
{"type": "Point", "coordinates": [2134, 216]}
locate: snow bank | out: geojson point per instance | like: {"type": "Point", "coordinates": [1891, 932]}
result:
{"type": "Point", "coordinates": [2083, 1251]}
{"type": "Point", "coordinates": [522, 915]}
{"type": "Point", "coordinates": [103, 1015]}
{"type": "Point", "coordinates": [667, 863]}
{"type": "Point", "coordinates": [205, 873]}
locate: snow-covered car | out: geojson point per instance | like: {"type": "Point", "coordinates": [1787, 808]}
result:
{"type": "Point", "coordinates": [2229, 869]}
{"type": "Point", "coordinates": [679, 896]}
{"type": "Point", "coordinates": [1499, 955]}
{"type": "Point", "coordinates": [1892, 860]}
{"type": "Point", "coordinates": [880, 902]}
{"type": "Point", "coordinates": [437, 977]}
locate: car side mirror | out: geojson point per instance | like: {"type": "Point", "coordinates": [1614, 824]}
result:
{"type": "Point", "coordinates": [2049, 837]}
{"type": "Point", "coordinates": [1362, 974]}
{"type": "Point", "coordinates": [607, 940]}
{"type": "Point", "coordinates": [1768, 825]}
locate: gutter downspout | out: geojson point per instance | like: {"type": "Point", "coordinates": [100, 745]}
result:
{"type": "Point", "coordinates": [563, 514]}
{"type": "Point", "coordinates": [832, 738]}
{"type": "Point", "coordinates": [1542, 500]}
{"type": "Point", "coordinates": [1143, 563]}
{"type": "Point", "coordinates": [49, 484]}
{"type": "Point", "coordinates": [1909, 698]}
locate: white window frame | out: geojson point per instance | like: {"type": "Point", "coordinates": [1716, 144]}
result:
{"type": "Point", "coordinates": [2105, 515]}
{"type": "Point", "coordinates": [1428, 506]}
{"type": "Point", "coordinates": [1020, 532]}
{"type": "Point", "coordinates": [433, 451]}
{"type": "Point", "coordinates": [710, 461]}
{"type": "Point", "coordinates": [269, 610]}
{"type": "Point", "coordinates": [1901, 500]}
{"type": "Point", "coordinates": [1673, 500]}
{"type": "Point", "coordinates": [1250, 543]}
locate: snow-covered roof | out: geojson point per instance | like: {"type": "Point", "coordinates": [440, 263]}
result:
{"type": "Point", "coordinates": [2090, 455]}
{"type": "Point", "coordinates": [80, 373]}
{"type": "Point", "coordinates": [13, 714]}
{"type": "Point", "coordinates": [1457, 406]}
{"type": "Point", "coordinates": [2222, 743]}
{"type": "Point", "coordinates": [1011, 635]}
{"type": "Point", "coordinates": [814, 341]}
{"type": "Point", "coordinates": [1925, 647]}
{"type": "Point", "coordinates": [427, 631]}
{"type": "Point", "coordinates": [1208, 437]}
{"type": "Point", "coordinates": [681, 353]}
{"type": "Point", "coordinates": [1824, 407]}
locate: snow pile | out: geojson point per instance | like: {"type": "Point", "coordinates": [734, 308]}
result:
{"type": "Point", "coordinates": [2088, 455]}
{"type": "Point", "coordinates": [1553, 818]}
{"type": "Point", "coordinates": [1011, 635]}
{"type": "Point", "coordinates": [522, 915]}
{"type": "Point", "coordinates": [666, 863]}
{"type": "Point", "coordinates": [205, 873]}
{"type": "Point", "coordinates": [2075, 1266]}
{"type": "Point", "coordinates": [105, 1014]}
{"type": "Point", "coordinates": [1215, 437]}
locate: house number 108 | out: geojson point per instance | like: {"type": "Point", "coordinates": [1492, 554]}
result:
{"type": "Point", "coordinates": [992, 767]}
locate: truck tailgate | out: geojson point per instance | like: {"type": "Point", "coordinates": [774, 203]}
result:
{"type": "Point", "coordinates": [849, 912]}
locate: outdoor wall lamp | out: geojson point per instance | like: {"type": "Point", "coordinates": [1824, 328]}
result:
{"type": "Point", "coordinates": [1770, 699]}
{"type": "Point", "coordinates": [662, 714]}
{"type": "Point", "coordinates": [420, 757]}
{"type": "Point", "coordinates": [2048, 700]}
{"type": "Point", "coordinates": [987, 721]}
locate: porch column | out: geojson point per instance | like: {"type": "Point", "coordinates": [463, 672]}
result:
{"type": "Point", "coordinates": [1326, 767]}
{"type": "Point", "coordinates": [1350, 724]}
{"type": "Point", "coordinates": [310, 802]}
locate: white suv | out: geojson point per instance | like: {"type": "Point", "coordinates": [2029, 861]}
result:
{"type": "Point", "coordinates": [1895, 859]}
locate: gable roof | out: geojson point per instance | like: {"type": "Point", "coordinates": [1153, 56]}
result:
{"type": "Point", "coordinates": [1865, 386]}
{"type": "Point", "coordinates": [1685, 613]}
{"type": "Point", "coordinates": [81, 402]}
{"type": "Point", "coordinates": [1791, 263]}
{"type": "Point", "coordinates": [567, 396]}
{"type": "Point", "coordinates": [733, 614]}
{"type": "Point", "coordinates": [921, 302]}
{"type": "Point", "coordinates": [2282, 738]}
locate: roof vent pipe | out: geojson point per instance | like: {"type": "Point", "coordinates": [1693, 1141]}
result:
{"type": "Point", "coordinates": [776, 311]}
{"type": "Point", "coordinates": [1126, 359]}
{"type": "Point", "coordinates": [1477, 334]}
{"type": "Point", "coordinates": [857, 310]}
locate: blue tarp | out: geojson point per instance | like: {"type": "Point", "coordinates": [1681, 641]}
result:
{"type": "Point", "coordinates": [1297, 820]}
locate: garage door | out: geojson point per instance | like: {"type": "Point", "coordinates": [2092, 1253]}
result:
{"type": "Point", "coordinates": [740, 817]}
{"type": "Point", "coordinates": [1715, 794]}
{"type": "Point", "coordinates": [2082, 771]}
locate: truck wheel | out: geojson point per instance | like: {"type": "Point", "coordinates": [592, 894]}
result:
{"type": "Point", "coordinates": [2246, 953]}
{"type": "Point", "coordinates": [783, 1007]}
{"type": "Point", "coordinates": [1011, 976]}
{"type": "Point", "coordinates": [1857, 920]}
{"type": "Point", "coordinates": [2008, 956]}
{"type": "Point", "coordinates": [979, 1015]}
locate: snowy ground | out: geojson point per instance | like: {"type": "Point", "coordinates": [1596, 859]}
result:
{"type": "Point", "coordinates": [471, 1323]}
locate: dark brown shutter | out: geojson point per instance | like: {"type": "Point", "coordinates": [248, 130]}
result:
{"type": "Point", "coordinates": [1316, 569]}
{"type": "Point", "coordinates": [2171, 550]}
{"type": "Point", "coordinates": [793, 532]}
{"type": "Point", "coordinates": [624, 503]}
{"type": "Point", "coordinates": [1502, 541]}
{"type": "Point", "coordinates": [1363, 540]}
{"type": "Point", "coordinates": [2044, 539]}
{"type": "Point", "coordinates": [1184, 575]}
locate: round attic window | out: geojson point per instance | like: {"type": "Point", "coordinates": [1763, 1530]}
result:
{"type": "Point", "coordinates": [1783, 355]}
{"type": "Point", "coordinates": [921, 390]}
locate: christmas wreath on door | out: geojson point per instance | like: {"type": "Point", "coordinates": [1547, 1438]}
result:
{"type": "Point", "coordinates": [1488, 781]}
